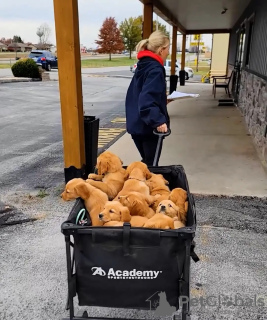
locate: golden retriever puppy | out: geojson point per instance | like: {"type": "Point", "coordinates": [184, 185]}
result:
{"type": "Point", "coordinates": [94, 199]}
{"type": "Point", "coordinates": [158, 187]}
{"type": "Point", "coordinates": [171, 210]}
{"type": "Point", "coordinates": [115, 214]}
{"type": "Point", "coordinates": [110, 177]}
{"type": "Point", "coordinates": [160, 221]}
{"type": "Point", "coordinates": [179, 197]}
{"type": "Point", "coordinates": [136, 175]}
{"type": "Point", "coordinates": [138, 204]}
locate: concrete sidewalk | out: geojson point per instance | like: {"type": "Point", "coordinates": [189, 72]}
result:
{"type": "Point", "coordinates": [212, 144]}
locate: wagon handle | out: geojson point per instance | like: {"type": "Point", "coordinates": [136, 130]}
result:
{"type": "Point", "coordinates": [161, 136]}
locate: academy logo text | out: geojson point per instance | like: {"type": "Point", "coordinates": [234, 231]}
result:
{"type": "Point", "coordinates": [125, 274]}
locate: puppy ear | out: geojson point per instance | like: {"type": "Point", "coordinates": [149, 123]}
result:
{"type": "Point", "coordinates": [102, 167]}
{"type": "Point", "coordinates": [125, 214]}
{"type": "Point", "coordinates": [82, 190]}
{"type": "Point", "coordinates": [176, 208]}
{"type": "Point", "coordinates": [148, 174]}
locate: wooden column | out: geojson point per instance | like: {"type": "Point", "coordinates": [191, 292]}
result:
{"type": "Point", "coordinates": [147, 20]}
{"type": "Point", "coordinates": [174, 49]}
{"type": "Point", "coordinates": [70, 85]}
{"type": "Point", "coordinates": [183, 52]}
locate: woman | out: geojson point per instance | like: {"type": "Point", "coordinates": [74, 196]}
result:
{"type": "Point", "coordinates": [146, 98]}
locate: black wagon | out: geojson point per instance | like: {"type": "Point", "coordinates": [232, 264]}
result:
{"type": "Point", "coordinates": [132, 268]}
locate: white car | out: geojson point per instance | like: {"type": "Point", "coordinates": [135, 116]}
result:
{"type": "Point", "coordinates": [189, 72]}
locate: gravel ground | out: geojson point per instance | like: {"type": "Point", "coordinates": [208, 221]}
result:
{"type": "Point", "coordinates": [231, 243]}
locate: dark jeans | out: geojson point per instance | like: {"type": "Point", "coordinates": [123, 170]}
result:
{"type": "Point", "coordinates": [146, 145]}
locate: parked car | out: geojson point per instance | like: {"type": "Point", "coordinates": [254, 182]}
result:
{"type": "Point", "coordinates": [44, 58]}
{"type": "Point", "coordinates": [189, 72]}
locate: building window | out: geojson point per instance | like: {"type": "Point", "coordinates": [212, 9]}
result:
{"type": "Point", "coordinates": [250, 27]}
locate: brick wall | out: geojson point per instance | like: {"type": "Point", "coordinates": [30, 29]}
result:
{"type": "Point", "coordinates": [253, 104]}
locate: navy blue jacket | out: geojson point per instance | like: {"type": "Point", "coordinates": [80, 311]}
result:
{"type": "Point", "coordinates": [146, 100]}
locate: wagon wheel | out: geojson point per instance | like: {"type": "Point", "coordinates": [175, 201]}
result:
{"type": "Point", "coordinates": [85, 314]}
{"type": "Point", "coordinates": [179, 317]}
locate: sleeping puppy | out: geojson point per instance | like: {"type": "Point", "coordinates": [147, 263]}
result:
{"type": "Point", "coordinates": [136, 175]}
{"type": "Point", "coordinates": [160, 221]}
{"type": "Point", "coordinates": [171, 210]}
{"type": "Point", "coordinates": [115, 214]}
{"type": "Point", "coordinates": [110, 177]}
{"type": "Point", "coordinates": [179, 197]}
{"type": "Point", "coordinates": [158, 187]}
{"type": "Point", "coordinates": [94, 199]}
{"type": "Point", "coordinates": [138, 204]}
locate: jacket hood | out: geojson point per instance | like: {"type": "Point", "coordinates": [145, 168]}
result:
{"type": "Point", "coordinates": [147, 53]}
{"type": "Point", "coordinates": [145, 64]}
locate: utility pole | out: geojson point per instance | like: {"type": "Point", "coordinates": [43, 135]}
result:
{"type": "Point", "coordinates": [198, 51]}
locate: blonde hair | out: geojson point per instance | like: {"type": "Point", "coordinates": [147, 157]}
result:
{"type": "Point", "coordinates": [156, 40]}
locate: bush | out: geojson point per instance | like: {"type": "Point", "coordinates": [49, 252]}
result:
{"type": "Point", "coordinates": [26, 68]}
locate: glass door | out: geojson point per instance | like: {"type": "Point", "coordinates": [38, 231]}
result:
{"type": "Point", "coordinates": [239, 61]}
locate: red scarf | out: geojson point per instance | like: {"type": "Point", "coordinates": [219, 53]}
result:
{"type": "Point", "coordinates": [147, 53]}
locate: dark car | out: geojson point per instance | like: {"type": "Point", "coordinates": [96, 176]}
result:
{"type": "Point", "coordinates": [44, 58]}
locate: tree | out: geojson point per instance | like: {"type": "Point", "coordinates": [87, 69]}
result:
{"type": "Point", "coordinates": [110, 38]}
{"type": "Point", "coordinates": [17, 39]}
{"type": "Point", "coordinates": [43, 32]}
{"type": "Point", "coordinates": [131, 33]}
{"type": "Point", "coordinates": [161, 27]}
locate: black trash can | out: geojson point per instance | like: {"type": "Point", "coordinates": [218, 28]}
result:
{"type": "Point", "coordinates": [91, 130]}
{"type": "Point", "coordinates": [173, 83]}
{"type": "Point", "coordinates": [182, 77]}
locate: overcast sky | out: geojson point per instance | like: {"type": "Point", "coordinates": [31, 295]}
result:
{"type": "Point", "coordinates": [22, 18]}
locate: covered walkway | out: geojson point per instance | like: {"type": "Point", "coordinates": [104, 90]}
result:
{"type": "Point", "coordinates": [212, 144]}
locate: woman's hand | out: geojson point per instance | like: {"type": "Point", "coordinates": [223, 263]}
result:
{"type": "Point", "coordinates": [162, 128]}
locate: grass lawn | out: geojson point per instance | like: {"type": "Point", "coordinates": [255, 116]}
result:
{"type": "Point", "coordinates": [12, 55]}
{"type": "Point", "coordinates": [4, 66]}
{"type": "Point", "coordinates": [203, 67]}
{"type": "Point", "coordinates": [115, 62]}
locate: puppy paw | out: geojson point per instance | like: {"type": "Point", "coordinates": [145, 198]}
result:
{"type": "Point", "coordinates": [94, 176]}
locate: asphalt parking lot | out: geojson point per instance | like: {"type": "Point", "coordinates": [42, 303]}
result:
{"type": "Point", "coordinates": [229, 282]}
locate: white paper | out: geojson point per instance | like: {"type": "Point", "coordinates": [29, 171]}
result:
{"type": "Point", "coordinates": [178, 95]}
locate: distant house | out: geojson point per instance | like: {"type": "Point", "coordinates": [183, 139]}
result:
{"type": "Point", "coordinates": [19, 47]}
{"type": "Point", "coordinates": [3, 47]}
{"type": "Point", "coordinates": [43, 46]}
{"type": "Point", "coordinates": [32, 46]}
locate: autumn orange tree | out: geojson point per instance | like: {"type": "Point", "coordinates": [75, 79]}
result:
{"type": "Point", "coordinates": [110, 40]}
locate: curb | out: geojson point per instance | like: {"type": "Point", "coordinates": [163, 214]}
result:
{"type": "Point", "coordinates": [11, 80]}
{"type": "Point", "coordinates": [106, 75]}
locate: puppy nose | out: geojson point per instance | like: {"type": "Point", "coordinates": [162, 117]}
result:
{"type": "Point", "coordinates": [100, 215]}
{"type": "Point", "coordinates": [163, 207]}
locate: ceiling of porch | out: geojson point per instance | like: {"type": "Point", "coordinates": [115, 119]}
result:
{"type": "Point", "coordinates": [200, 15]}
